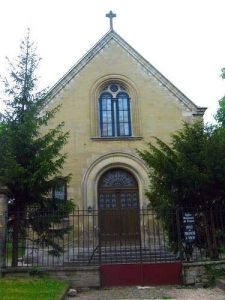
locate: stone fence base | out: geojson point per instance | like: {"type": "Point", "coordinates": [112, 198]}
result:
{"type": "Point", "coordinates": [192, 273]}
{"type": "Point", "coordinates": [196, 274]}
{"type": "Point", "coordinates": [75, 276]}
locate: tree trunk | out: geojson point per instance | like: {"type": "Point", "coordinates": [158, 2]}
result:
{"type": "Point", "coordinates": [208, 235]}
{"type": "Point", "coordinates": [15, 240]}
{"type": "Point", "coordinates": [179, 239]}
{"type": "Point", "coordinates": [214, 241]}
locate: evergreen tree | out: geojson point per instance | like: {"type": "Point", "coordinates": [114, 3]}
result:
{"type": "Point", "coordinates": [31, 156]}
{"type": "Point", "coordinates": [223, 73]}
{"type": "Point", "coordinates": [220, 114]}
{"type": "Point", "coordinates": [188, 173]}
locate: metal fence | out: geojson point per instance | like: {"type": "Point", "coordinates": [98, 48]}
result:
{"type": "Point", "coordinates": [115, 236]}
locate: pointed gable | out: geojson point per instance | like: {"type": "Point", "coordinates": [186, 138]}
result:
{"type": "Point", "coordinates": [149, 69]}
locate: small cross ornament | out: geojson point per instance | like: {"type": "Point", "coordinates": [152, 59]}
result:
{"type": "Point", "coordinates": [111, 15]}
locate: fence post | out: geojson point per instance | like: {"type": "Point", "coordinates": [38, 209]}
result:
{"type": "Point", "coordinates": [3, 225]}
{"type": "Point", "coordinates": [179, 234]}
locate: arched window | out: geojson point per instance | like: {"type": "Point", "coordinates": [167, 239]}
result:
{"type": "Point", "coordinates": [123, 114]}
{"type": "Point", "coordinates": [107, 115]}
{"type": "Point", "coordinates": [114, 105]}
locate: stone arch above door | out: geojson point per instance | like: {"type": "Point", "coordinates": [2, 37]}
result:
{"type": "Point", "coordinates": [97, 167]}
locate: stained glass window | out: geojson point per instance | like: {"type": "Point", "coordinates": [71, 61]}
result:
{"type": "Point", "coordinates": [106, 115]}
{"type": "Point", "coordinates": [114, 104]}
{"type": "Point", "coordinates": [117, 178]}
{"type": "Point", "coordinates": [123, 114]}
{"type": "Point", "coordinates": [114, 87]}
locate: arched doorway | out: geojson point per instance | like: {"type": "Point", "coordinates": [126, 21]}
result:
{"type": "Point", "coordinates": [118, 205]}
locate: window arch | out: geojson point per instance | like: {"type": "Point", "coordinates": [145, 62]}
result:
{"type": "Point", "coordinates": [114, 111]}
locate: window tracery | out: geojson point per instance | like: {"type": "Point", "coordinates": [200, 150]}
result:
{"type": "Point", "coordinates": [117, 178]}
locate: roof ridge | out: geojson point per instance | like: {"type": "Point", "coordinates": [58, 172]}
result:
{"type": "Point", "coordinates": [111, 34]}
{"type": "Point", "coordinates": [160, 77]}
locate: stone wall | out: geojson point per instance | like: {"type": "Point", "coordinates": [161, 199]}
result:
{"type": "Point", "coordinates": [89, 276]}
{"type": "Point", "coordinates": [75, 276]}
{"type": "Point", "coordinates": [196, 274]}
{"type": "Point", "coordinates": [3, 220]}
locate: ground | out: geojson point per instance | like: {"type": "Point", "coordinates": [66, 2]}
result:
{"type": "Point", "coordinates": [144, 293]}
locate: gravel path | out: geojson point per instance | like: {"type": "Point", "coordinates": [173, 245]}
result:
{"type": "Point", "coordinates": [143, 293]}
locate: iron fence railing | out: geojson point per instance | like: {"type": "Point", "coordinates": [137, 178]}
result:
{"type": "Point", "coordinates": [87, 237]}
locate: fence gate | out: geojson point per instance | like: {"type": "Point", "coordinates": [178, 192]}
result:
{"type": "Point", "coordinates": [141, 274]}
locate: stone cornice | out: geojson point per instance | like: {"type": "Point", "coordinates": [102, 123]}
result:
{"type": "Point", "coordinates": [150, 69]}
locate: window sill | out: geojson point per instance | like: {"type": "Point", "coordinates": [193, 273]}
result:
{"type": "Point", "coordinates": [118, 138]}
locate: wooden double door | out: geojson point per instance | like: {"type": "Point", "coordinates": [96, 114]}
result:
{"type": "Point", "coordinates": [118, 201]}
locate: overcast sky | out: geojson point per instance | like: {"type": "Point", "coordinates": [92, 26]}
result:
{"type": "Point", "coordinates": [183, 39]}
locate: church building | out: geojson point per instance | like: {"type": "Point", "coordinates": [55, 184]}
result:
{"type": "Point", "coordinates": [112, 102]}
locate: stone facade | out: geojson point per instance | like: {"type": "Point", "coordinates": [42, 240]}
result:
{"type": "Point", "coordinates": [157, 109]}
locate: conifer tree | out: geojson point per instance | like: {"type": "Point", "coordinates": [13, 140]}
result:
{"type": "Point", "coordinates": [188, 173]}
{"type": "Point", "coordinates": [31, 156]}
{"type": "Point", "coordinates": [220, 114]}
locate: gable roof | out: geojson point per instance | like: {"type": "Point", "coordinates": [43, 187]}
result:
{"type": "Point", "coordinates": [112, 35]}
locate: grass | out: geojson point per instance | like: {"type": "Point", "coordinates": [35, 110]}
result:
{"type": "Point", "coordinates": [31, 289]}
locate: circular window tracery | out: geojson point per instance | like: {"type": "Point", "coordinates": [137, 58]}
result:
{"type": "Point", "coordinates": [113, 87]}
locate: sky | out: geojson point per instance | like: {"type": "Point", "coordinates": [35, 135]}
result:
{"type": "Point", "coordinates": [183, 39]}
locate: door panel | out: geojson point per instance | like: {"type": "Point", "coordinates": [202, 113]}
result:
{"type": "Point", "coordinates": [119, 215]}
{"type": "Point", "coordinates": [109, 219]}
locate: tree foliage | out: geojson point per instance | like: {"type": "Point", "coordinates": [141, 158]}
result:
{"type": "Point", "coordinates": [189, 173]}
{"type": "Point", "coordinates": [220, 114]}
{"type": "Point", "coordinates": [223, 73]}
{"type": "Point", "coordinates": [31, 156]}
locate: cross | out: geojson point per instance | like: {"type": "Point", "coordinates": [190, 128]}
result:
{"type": "Point", "coordinates": [111, 15]}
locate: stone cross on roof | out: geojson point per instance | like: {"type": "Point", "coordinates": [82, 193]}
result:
{"type": "Point", "coordinates": [111, 15]}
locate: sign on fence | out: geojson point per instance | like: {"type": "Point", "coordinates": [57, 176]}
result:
{"type": "Point", "coordinates": [188, 227]}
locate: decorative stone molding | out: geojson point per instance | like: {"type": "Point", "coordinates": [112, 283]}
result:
{"type": "Point", "coordinates": [106, 162]}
